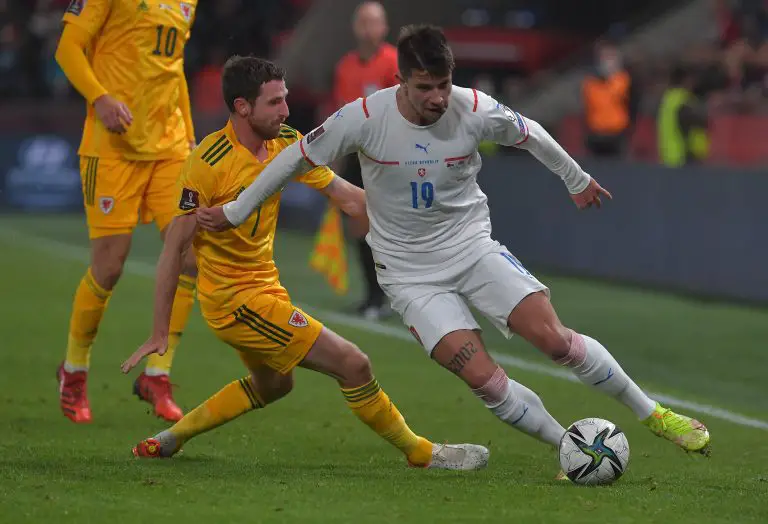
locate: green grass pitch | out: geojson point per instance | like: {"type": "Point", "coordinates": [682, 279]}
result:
{"type": "Point", "coordinates": [307, 459]}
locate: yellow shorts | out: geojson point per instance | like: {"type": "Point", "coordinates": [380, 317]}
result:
{"type": "Point", "coordinates": [269, 330]}
{"type": "Point", "coordinates": [118, 193]}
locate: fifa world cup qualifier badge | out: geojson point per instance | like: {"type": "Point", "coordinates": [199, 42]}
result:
{"type": "Point", "coordinates": [315, 134]}
{"type": "Point", "coordinates": [76, 7]}
{"type": "Point", "coordinates": [189, 199]}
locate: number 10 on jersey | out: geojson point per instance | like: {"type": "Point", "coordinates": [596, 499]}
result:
{"type": "Point", "coordinates": [426, 192]}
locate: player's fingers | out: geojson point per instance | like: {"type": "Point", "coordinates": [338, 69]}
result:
{"type": "Point", "coordinates": [605, 192]}
{"type": "Point", "coordinates": [126, 112]}
{"type": "Point", "coordinates": [598, 202]}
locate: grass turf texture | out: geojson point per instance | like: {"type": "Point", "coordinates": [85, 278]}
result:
{"type": "Point", "coordinates": [307, 459]}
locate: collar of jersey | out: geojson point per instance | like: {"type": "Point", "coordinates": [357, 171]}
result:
{"type": "Point", "coordinates": [229, 132]}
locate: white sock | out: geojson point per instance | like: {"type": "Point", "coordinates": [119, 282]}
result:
{"type": "Point", "coordinates": [69, 368]}
{"type": "Point", "coordinates": [519, 407]}
{"type": "Point", "coordinates": [594, 366]}
{"type": "Point", "coordinates": [155, 372]}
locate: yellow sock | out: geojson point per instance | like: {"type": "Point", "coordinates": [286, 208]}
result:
{"type": "Point", "coordinates": [182, 306]}
{"type": "Point", "coordinates": [87, 309]}
{"type": "Point", "coordinates": [373, 407]}
{"type": "Point", "coordinates": [230, 402]}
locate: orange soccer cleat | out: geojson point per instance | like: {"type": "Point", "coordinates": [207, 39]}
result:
{"type": "Point", "coordinates": [73, 397]}
{"type": "Point", "coordinates": [157, 391]}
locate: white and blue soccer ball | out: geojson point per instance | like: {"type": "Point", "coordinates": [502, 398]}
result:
{"type": "Point", "coordinates": [594, 451]}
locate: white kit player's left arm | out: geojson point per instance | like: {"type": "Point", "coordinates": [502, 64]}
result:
{"type": "Point", "coordinates": [339, 135]}
{"type": "Point", "coordinates": [510, 128]}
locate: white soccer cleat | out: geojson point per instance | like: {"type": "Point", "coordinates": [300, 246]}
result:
{"type": "Point", "coordinates": [463, 457]}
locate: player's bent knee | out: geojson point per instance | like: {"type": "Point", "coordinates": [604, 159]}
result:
{"type": "Point", "coordinates": [357, 366]}
{"type": "Point", "coordinates": [107, 270]}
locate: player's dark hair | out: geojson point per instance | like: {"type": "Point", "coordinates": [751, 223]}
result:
{"type": "Point", "coordinates": [243, 77]}
{"type": "Point", "coordinates": [423, 48]}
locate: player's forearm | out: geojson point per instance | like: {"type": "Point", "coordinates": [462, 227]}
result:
{"type": "Point", "coordinates": [547, 151]}
{"type": "Point", "coordinates": [270, 181]}
{"type": "Point", "coordinates": [167, 279]}
{"type": "Point", "coordinates": [70, 55]}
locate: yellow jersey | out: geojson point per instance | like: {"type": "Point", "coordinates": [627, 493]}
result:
{"type": "Point", "coordinates": [137, 54]}
{"type": "Point", "coordinates": [237, 264]}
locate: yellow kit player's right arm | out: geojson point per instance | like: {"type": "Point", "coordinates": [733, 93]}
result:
{"type": "Point", "coordinates": [177, 241]}
{"type": "Point", "coordinates": [71, 56]}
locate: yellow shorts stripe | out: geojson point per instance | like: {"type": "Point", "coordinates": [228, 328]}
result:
{"type": "Point", "coordinates": [271, 328]}
{"type": "Point", "coordinates": [260, 329]}
{"type": "Point", "coordinates": [272, 325]}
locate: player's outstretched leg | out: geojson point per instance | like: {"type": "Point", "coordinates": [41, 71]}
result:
{"type": "Point", "coordinates": [154, 385]}
{"type": "Point", "coordinates": [263, 386]}
{"type": "Point", "coordinates": [463, 353]}
{"type": "Point", "coordinates": [108, 254]}
{"type": "Point", "coordinates": [334, 356]}
{"type": "Point", "coordinates": [535, 320]}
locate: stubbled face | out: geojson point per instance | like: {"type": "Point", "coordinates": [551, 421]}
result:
{"type": "Point", "coordinates": [268, 111]}
{"type": "Point", "coordinates": [427, 94]}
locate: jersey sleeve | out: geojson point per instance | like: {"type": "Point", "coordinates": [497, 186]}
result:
{"type": "Point", "coordinates": [88, 14]}
{"type": "Point", "coordinates": [318, 177]}
{"type": "Point", "coordinates": [339, 135]}
{"type": "Point", "coordinates": [500, 124]}
{"type": "Point", "coordinates": [196, 186]}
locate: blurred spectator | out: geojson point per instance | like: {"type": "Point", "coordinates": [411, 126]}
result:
{"type": "Point", "coordinates": [610, 104]}
{"type": "Point", "coordinates": [372, 66]}
{"type": "Point", "coordinates": [682, 121]}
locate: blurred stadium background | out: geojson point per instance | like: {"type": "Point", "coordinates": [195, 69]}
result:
{"type": "Point", "coordinates": [678, 231]}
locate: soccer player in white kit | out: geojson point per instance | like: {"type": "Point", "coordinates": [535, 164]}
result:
{"type": "Point", "coordinates": [430, 233]}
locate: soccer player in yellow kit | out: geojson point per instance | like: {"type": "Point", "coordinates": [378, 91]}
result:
{"type": "Point", "coordinates": [239, 289]}
{"type": "Point", "coordinates": [126, 58]}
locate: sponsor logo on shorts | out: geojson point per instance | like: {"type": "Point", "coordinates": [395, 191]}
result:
{"type": "Point", "coordinates": [379, 266]}
{"type": "Point", "coordinates": [315, 134]}
{"type": "Point", "coordinates": [106, 204]}
{"type": "Point", "coordinates": [76, 7]}
{"type": "Point", "coordinates": [298, 319]}
{"type": "Point", "coordinates": [415, 335]}
{"type": "Point", "coordinates": [189, 199]}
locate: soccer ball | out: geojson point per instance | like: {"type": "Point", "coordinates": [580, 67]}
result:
{"type": "Point", "coordinates": [594, 451]}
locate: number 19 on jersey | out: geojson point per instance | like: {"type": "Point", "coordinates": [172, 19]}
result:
{"type": "Point", "coordinates": [426, 191]}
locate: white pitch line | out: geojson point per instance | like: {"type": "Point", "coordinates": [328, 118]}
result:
{"type": "Point", "coordinates": [82, 254]}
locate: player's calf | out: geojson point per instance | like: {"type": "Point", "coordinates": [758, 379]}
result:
{"type": "Point", "coordinates": [462, 352]}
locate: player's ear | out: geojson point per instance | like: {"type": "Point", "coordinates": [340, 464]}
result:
{"type": "Point", "coordinates": [241, 107]}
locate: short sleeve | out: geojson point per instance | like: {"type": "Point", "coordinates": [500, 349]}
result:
{"type": "Point", "coordinates": [88, 14]}
{"type": "Point", "coordinates": [339, 135]}
{"type": "Point", "coordinates": [501, 124]}
{"type": "Point", "coordinates": [195, 186]}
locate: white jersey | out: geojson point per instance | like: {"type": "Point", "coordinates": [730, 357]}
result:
{"type": "Point", "coordinates": [425, 207]}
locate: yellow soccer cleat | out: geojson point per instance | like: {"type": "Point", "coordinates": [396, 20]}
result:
{"type": "Point", "coordinates": [686, 432]}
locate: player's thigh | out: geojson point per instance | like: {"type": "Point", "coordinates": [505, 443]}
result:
{"type": "Point", "coordinates": [496, 284]}
{"type": "Point", "coordinates": [161, 199]}
{"type": "Point", "coordinates": [430, 312]}
{"type": "Point", "coordinates": [269, 330]}
{"type": "Point", "coordinates": [463, 353]}
{"type": "Point", "coordinates": [337, 357]}
{"type": "Point", "coordinates": [112, 192]}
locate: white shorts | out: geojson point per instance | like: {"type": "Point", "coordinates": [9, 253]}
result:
{"type": "Point", "coordinates": [439, 305]}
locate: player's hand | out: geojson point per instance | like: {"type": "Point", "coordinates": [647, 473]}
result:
{"type": "Point", "coordinates": [591, 195]}
{"type": "Point", "coordinates": [192, 144]}
{"type": "Point", "coordinates": [155, 344]}
{"type": "Point", "coordinates": [114, 114]}
{"type": "Point", "coordinates": [213, 219]}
